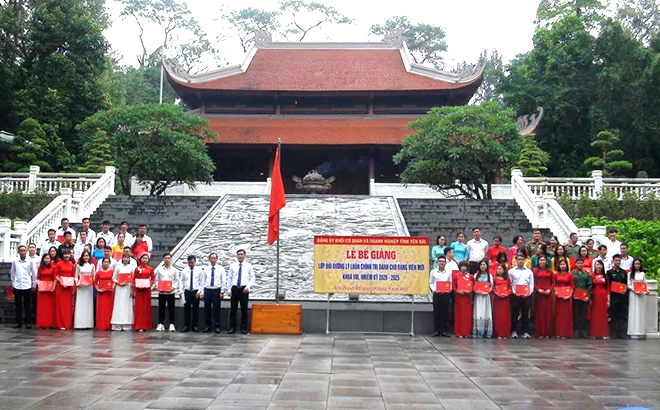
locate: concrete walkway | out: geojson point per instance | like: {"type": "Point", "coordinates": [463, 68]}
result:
{"type": "Point", "coordinates": [102, 370]}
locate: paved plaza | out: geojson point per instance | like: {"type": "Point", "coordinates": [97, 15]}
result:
{"type": "Point", "coordinates": [103, 370]}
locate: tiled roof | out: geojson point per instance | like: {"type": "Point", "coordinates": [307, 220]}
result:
{"type": "Point", "coordinates": [310, 130]}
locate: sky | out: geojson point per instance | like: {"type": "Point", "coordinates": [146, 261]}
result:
{"type": "Point", "coordinates": [470, 25]}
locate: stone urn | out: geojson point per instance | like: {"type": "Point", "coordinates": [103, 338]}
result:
{"type": "Point", "coordinates": [313, 183]}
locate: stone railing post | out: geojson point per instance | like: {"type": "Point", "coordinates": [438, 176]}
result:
{"type": "Point", "coordinates": [652, 309]}
{"type": "Point", "coordinates": [67, 202]}
{"type": "Point", "coordinates": [515, 173]}
{"type": "Point", "coordinates": [32, 178]}
{"type": "Point", "coordinates": [77, 212]}
{"type": "Point", "coordinates": [583, 235]}
{"type": "Point", "coordinates": [20, 229]}
{"type": "Point", "coordinates": [5, 238]}
{"type": "Point", "coordinates": [547, 196]}
{"type": "Point", "coordinates": [112, 172]}
{"type": "Point", "coordinates": [597, 176]}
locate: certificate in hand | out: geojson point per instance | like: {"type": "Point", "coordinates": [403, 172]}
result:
{"type": "Point", "coordinates": [482, 287]}
{"type": "Point", "coordinates": [502, 290]}
{"type": "Point", "coordinates": [442, 287]}
{"type": "Point", "coordinates": [166, 286]}
{"type": "Point", "coordinates": [67, 281]}
{"type": "Point", "coordinates": [640, 287]}
{"type": "Point", "coordinates": [618, 287]}
{"type": "Point", "coordinates": [124, 278]}
{"type": "Point", "coordinates": [464, 285]}
{"type": "Point", "coordinates": [522, 290]}
{"type": "Point", "coordinates": [142, 283]}
{"type": "Point", "coordinates": [85, 280]}
{"type": "Point", "coordinates": [46, 285]}
{"type": "Point", "coordinates": [581, 294]}
{"type": "Point", "coordinates": [564, 292]}
{"type": "Point", "coordinates": [105, 284]}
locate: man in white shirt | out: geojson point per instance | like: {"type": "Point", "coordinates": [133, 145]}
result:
{"type": "Point", "coordinates": [166, 272]}
{"type": "Point", "coordinates": [49, 243]}
{"type": "Point", "coordinates": [626, 260]}
{"type": "Point", "coordinates": [441, 301]}
{"type": "Point", "coordinates": [33, 258]}
{"type": "Point", "coordinates": [106, 234]}
{"type": "Point", "coordinates": [215, 285]}
{"type": "Point", "coordinates": [477, 250]}
{"type": "Point", "coordinates": [128, 238]}
{"type": "Point", "coordinates": [613, 245]}
{"type": "Point", "coordinates": [241, 280]}
{"type": "Point", "coordinates": [107, 253]}
{"type": "Point", "coordinates": [79, 247]}
{"type": "Point", "coordinates": [192, 287]}
{"type": "Point", "coordinates": [602, 250]}
{"type": "Point", "coordinates": [142, 230]}
{"type": "Point", "coordinates": [129, 253]}
{"type": "Point", "coordinates": [23, 282]}
{"type": "Point", "coordinates": [520, 275]}
{"type": "Point", "coordinates": [91, 235]}
{"type": "Point", "coordinates": [65, 228]}
{"type": "Point", "coordinates": [451, 264]}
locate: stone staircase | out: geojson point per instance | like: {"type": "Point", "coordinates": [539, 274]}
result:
{"type": "Point", "coordinates": [431, 217]}
{"type": "Point", "coordinates": [168, 218]}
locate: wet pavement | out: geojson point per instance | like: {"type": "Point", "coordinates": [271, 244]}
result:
{"type": "Point", "coordinates": [103, 370]}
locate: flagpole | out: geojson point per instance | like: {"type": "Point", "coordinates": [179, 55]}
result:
{"type": "Point", "coordinates": [277, 274]}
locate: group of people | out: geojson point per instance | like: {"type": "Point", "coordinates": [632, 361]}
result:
{"type": "Point", "coordinates": [570, 290]}
{"type": "Point", "coordinates": [109, 286]}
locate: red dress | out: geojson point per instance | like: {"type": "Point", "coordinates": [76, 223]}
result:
{"type": "Point", "coordinates": [493, 252]}
{"type": "Point", "coordinates": [564, 307]}
{"type": "Point", "coordinates": [462, 310]}
{"type": "Point", "coordinates": [142, 307]}
{"type": "Point", "coordinates": [104, 302]}
{"type": "Point", "coordinates": [139, 250]}
{"type": "Point", "coordinates": [544, 280]}
{"type": "Point", "coordinates": [45, 299]}
{"type": "Point", "coordinates": [501, 312]}
{"type": "Point", "coordinates": [64, 296]}
{"type": "Point", "coordinates": [599, 324]}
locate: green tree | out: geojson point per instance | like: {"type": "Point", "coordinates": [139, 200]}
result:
{"type": "Point", "coordinates": [460, 148]}
{"type": "Point", "coordinates": [590, 12]}
{"type": "Point", "coordinates": [158, 143]}
{"type": "Point", "coordinates": [533, 160]}
{"type": "Point", "coordinates": [300, 17]}
{"type": "Point", "coordinates": [29, 148]}
{"type": "Point", "coordinates": [641, 18]}
{"type": "Point", "coordinates": [98, 154]}
{"type": "Point", "coordinates": [610, 158]}
{"type": "Point", "coordinates": [559, 75]}
{"type": "Point", "coordinates": [245, 22]}
{"type": "Point", "coordinates": [425, 42]}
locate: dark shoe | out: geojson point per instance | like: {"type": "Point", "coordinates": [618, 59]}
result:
{"type": "Point", "coordinates": [28, 326]}
{"type": "Point", "coordinates": [17, 326]}
{"type": "Point", "coordinates": [207, 330]}
{"type": "Point", "coordinates": [231, 331]}
{"type": "Point", "coordinates": [185, 329]}
{"type": "Point", "coordinates": [436, 334]}
{"type": "Point", "coordinates": [244, 331]}
{"type": "Point", "coordinates": [195, 330]}
{"type": "Point", "coordinates": [217, 330]}
{"type": "Point", "coordinates": [445, 334]}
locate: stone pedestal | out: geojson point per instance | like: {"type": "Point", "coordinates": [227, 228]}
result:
{"type": "Point", "coordinates": [652, 310]}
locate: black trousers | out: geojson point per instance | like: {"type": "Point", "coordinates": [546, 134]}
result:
{"type": "Point", "coordinates": [520, 306]}
{"type": "Point", "coordinates": [237, 296]}
{"type": "Point", "coordinates": [618, 315]}
{"type": "Point", "coordinates": [212, 308]}
{"type": "Point", "coordinates": [23, 299]}
{"type": "Point", "coordinates": [191, 303]}
{"type": "Point", "coordinates": [165, 300]}
{"type": "Point", "coordinates": [473, 267]}
{"type": "Point", "coordinates": [441, 303]}
{"type": "Point", "coordinates": [580, 327]}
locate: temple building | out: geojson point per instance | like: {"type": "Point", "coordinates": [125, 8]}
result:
{"type": "Point", "coordinates": [341, 109]}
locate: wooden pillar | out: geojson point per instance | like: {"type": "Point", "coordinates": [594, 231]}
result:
{"type": "Point", "coordinates": [271, 158]}
{"type": "Point", "coordinates": [372, 164]}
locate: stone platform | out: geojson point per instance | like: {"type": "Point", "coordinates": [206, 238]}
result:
{"type": "Point", "coordinates": [106, 370]}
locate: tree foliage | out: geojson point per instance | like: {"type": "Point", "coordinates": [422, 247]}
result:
{"type": "Point", "coordinates": [533, 160]}
{"type": "Point", "coordinates": [610, 158]}
{"type": "Point", "coordinates": [40, 145]}
{"type": "Point", "coordinates": [97, 154]}
{"type": "Point", "coordinates": [460, 148]}
{"type": "Point", "coordinates": [158, 143]}
{"type": "Point", "coordinates": [301, 17]}
{"type": "Point", "coordinates": [425, 42]}
{"type": "Point", "coordinates": [245, 22]}
{"type": "Point", "coordinates": [590, 12]}
{"type": "Point", "coordinates": [641, 18]}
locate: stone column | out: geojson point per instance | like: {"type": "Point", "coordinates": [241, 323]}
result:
{"type": "Point", "coordinates": [597, 175]}
{"type": "Point", "coordinates": [652, 309]}
{"type": "Point", "coordinates": [5, 238]}
{"type": "Point", "coordinates": [32, 178]}
{"type": "Point", "coordinates": [112, 171]}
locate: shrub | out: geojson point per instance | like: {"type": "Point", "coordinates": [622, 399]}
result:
{"type": "Point", "coordinates": [609, 206]}
{"type": "Point", "coordinates": [18, 205]}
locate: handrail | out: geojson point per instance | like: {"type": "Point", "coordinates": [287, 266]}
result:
{"type": "Point", "coordinates": [558, 220]}
{"type": "Point", "coordinates": [525, 198]}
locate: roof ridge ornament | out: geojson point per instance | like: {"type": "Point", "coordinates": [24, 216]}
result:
{"type": "Point", "coordinates": [177, 69]}
{"type": "Point", "coordinates": [470, 70]}
{"type": "Point", "coordinates": [528, 123]}
{"type": "Point", "coordinates": [262, 38]}
{"type": "Point", "coordinates": [394, 38]}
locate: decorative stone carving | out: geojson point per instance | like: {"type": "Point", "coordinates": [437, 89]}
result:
{"type": "Point", "coordinates": [177, 69]}
{"type": "Point", "coordinates": [394, 38]}
{"type": "Point", "coordinates": [262, 38]}
{"type": "Point", "coordinates": [313, 183]}
{"type": "Point", "coordinates": [528, 123]}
